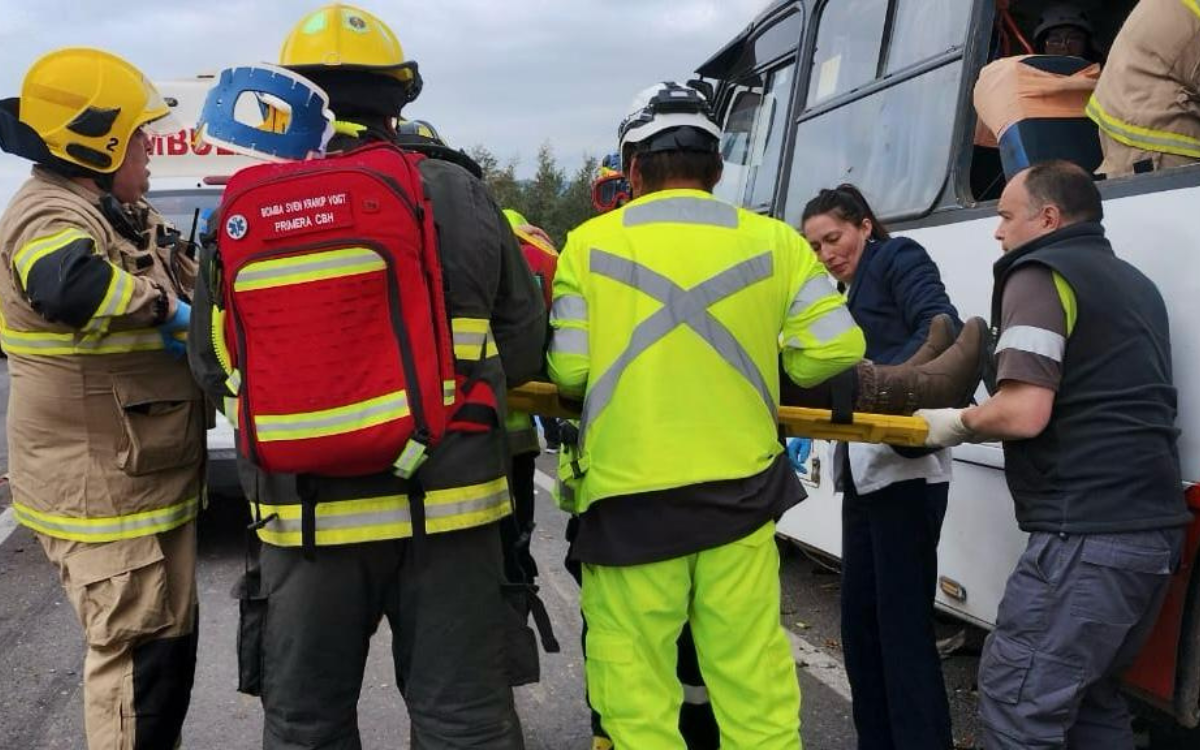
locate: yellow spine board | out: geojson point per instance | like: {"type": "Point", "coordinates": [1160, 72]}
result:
{"type": "Point", "coordinates": [542, 398]}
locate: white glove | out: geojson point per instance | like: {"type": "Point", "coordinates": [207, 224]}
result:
{"type": "Point", "coordinates": [946, 427]}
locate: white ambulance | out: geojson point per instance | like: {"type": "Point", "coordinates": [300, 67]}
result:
{"type": "Point", "coordinates": [186, 180]}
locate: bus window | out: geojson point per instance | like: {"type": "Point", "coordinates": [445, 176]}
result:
{"type": "Point", "coordinates": [925, 28]}
{"type": "Point", "coordinates": [735, 143]}
{"type": "Point", "coordinates": [894, 144]}
{"type": "Point", "coordinates": [766, 141]}
{"type": "Point", "coordinates": [848, 46]}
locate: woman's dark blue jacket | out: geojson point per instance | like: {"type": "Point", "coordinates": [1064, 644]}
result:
{"type": "Point", "coordinates": [895, 294]}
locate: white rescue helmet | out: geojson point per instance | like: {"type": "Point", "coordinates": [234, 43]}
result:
{"type": "Point", "coordinates": [668, 117]}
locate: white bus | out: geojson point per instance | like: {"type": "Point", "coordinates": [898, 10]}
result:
{"type": "Point", "coordinates": [879, 93]}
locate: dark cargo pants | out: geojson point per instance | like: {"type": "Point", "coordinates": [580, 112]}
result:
{"type": "Point", "coordinates": [448, 641]}
{"type": "Point", "coordinates": [1075, 613]}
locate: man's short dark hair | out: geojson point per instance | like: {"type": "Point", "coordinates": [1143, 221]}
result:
{"type": "Point", "coordinates": [661, 167]}
{"type": "Point", "coordinates": [1065, 185]}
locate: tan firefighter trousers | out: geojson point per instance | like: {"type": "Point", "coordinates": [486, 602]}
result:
{"type": "Point", "coordinates": [136, 599]}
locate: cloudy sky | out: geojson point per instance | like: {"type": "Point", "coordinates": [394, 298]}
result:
{"type": "Point", "coordinates": [509, 75]}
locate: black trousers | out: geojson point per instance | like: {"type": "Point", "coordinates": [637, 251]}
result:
{"type": "Point", "coordinates": [552, 431]}
{"type": "Point", "coordinates": [515, 529]}
{"type": "Point", "coordinates": [448, 625]}
{"type": "Point", "coordinates": [889, 576]}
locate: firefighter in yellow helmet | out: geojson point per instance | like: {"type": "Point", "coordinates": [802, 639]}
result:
{"type": "Point", "coordinates": [106, 427]}
{"type": "Point", "coordinates": [355, 58]}
{"type": "Point", "coordinates": [311, 606]}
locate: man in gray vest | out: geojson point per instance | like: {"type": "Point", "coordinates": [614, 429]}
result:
{"type": "Point", "coordinates": [1083, 364]}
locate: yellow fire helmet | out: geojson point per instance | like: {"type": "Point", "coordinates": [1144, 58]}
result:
{"type": "Point", "coordinates": [343, 37]}
{"type": "Point", "coordinates": [85, 104]}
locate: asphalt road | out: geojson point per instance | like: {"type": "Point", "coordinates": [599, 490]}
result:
{"type": "Point", "coordinates": [41, 651]}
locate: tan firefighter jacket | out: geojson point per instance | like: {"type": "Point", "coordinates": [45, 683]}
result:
{"type": "Point", "coordinates": [1148, 97]}
{"type": "Point", "coordinates": [105, 428]}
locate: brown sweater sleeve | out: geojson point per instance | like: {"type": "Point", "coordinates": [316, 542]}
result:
{"type": "Point", "coordinates": [1033, 329]}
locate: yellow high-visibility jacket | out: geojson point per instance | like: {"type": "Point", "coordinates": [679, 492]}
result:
{"type": "Point", "coordinates": [668, 318]}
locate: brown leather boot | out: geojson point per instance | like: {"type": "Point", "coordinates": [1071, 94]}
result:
{"type": "Point", "coordinates": [939, 339]}
{"type": "Point", "coordinates": [949, 380]}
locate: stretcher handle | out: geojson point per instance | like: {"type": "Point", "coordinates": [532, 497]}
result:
{"type": "Point", "coordinates": [542, 398]}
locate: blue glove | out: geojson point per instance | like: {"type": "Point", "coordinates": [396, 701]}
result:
{"type": "Point", "coordinates": [174, 330]}
{"type": "Point", "coordinates": [798, 450]}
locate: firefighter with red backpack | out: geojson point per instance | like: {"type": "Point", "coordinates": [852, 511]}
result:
{"type": "Point", "coordinates": [350, 536]}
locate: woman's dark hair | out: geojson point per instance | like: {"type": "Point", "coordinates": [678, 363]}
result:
{"type": "Point", "coordinates": [847, 203]}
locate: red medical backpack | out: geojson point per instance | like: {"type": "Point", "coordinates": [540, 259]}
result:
{"type": "Point", "coordinates": [335, 320]}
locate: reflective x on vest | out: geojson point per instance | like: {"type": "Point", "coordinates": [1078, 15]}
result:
{"type": "Point", "coordinates": [688, 307]}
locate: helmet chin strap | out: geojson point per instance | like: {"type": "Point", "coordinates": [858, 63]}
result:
{"type": "Point", "coordinates": [104, 182]}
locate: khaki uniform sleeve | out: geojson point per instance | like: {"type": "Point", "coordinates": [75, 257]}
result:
{"type": "Point", "coordinates": [68, 278]}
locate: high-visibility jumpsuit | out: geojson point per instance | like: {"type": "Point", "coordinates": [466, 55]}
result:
{"type": "Point", "coordinates": [668, 319]}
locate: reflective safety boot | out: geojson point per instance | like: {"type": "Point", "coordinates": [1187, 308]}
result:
{"type": "Point", "coordinates": [948, 380]}
{"type": "Point", "coordinates": [939, 338]}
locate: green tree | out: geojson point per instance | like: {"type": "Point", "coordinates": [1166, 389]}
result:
{"type": "Point", "coordinates": [545, 191]}
{"type": "Point", "coordinates": [575, 205]}
{"type": "Point", "coordinates": [550, 200]}
{"type": "Point", "coordinates": [500, 179]}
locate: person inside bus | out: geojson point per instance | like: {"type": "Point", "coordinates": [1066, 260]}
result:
{"type": "Point", "coordinates": [1062, 30]}
{"type": "Point", "coordinates": [1065, 29]}
{"type": "Point", "coordinates": [892, 504]}
{"type": "Point", "coordinates": [1147, 102]}
{"type": "Point", "coordinates": [1086, 410]}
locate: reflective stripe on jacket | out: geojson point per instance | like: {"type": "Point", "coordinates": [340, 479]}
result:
{"type": "Point", "coordinates": [668, 318]}
{"type": "Point", "coordinates": [1148, 96]}
{"type": "Point", "coordinates": [106, 430]}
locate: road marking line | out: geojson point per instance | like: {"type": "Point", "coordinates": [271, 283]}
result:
{"type": "Point", "coordinates": [8, 524]}
{"type": "Point", "coordinates": [823, 666]}
{"type": "Point", "coordinates": [543, 480]}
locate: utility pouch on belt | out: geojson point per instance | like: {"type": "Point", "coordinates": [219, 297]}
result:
{"type": "Point", "coordinates": [522, 662]}
{"type": "Point", "coordinates": [252, 608]}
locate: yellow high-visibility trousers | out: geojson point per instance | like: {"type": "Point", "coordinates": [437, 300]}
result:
{"type": "Point", "coordinates": [730, 595]}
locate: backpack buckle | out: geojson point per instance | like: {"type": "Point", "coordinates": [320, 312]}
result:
{"type": "Point", "coordinates": [414, 455]}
